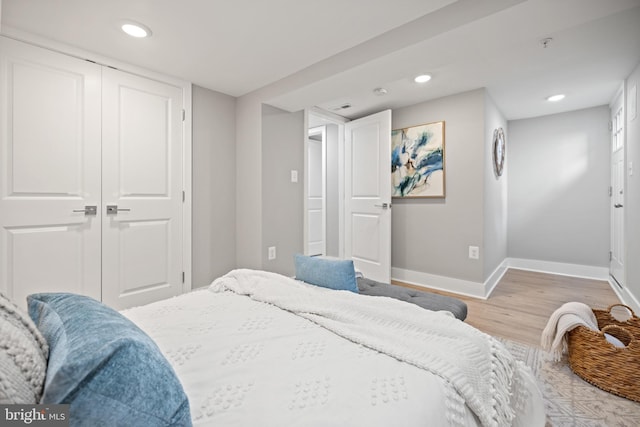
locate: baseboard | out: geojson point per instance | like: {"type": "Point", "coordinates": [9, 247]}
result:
{"type": "Point", "coordinates": [560, 268]}
{"type": "Point", "coordinates": [484, 290]}
{"type": "Point", "coordinates": [441, 283]}
{"type": "Point", "coordinates": [493, 280]}
{"type": "Point", "coordinates": [625, 296]}
{"type": "Point", "coordinates": [576, 270]}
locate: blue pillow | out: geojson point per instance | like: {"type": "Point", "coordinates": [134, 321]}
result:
{"type": "Point", "coordinates": [328, 273]}
{"type": "Point", "coordinates": [104, 366]}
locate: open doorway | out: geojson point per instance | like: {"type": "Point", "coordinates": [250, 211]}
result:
{"type": "Point", "coordinates": [347, 191]}
{"type": "Point", "coordinates": [323, 193]}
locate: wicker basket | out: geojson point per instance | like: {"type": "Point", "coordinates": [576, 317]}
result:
{"type": "Point", "coordinates": [595, 360]}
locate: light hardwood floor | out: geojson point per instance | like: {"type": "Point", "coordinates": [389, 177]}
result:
{"type": "Point", "coordinates": [520, 305]}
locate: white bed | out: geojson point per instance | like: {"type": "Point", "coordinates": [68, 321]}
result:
{"type": "Point", "coordinates": [259, 349]}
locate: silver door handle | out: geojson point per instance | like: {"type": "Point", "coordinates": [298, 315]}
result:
{"type": "Point", "coordinates": [383, 206]}
{"type": "Point", "coordinates": [114, 209]}
{"type": "Point", "coordinates": [88, 210]}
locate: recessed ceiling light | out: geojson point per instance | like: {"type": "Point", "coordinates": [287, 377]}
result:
{"type": "Point", "coordinates": [135, 29]}
{"type": "Point", "coordinates": [555, 98]}
{"type": "Point", "coordinates": [422, 78]}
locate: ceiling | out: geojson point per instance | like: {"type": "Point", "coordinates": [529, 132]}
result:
{"type": "Point", "coordinates": [327, 53]}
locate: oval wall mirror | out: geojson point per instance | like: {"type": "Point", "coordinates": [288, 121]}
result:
{"type": "Point", "coordinates": [498, 151]}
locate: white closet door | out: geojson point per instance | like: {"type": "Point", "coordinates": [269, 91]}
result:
{"type": "Point", "coordinates": [142, 176]}
{"type": "Point", "coordinates": [49, 172]}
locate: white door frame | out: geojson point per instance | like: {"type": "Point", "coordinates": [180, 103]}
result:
{"type": "Point", "coordinates": [322, 132]}
{"type": "Point", "coordinates": [339, 121]}
{"type": "Point", "coordinates": [186, 87]}
{"type": "Point", "coordinates": [618, 187]}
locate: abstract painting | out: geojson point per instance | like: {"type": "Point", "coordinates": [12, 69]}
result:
{"type": "Point", "coordinates": [417, 161]}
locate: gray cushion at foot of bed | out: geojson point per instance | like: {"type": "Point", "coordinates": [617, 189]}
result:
{"type": "Point", "coordinates": [424, 299]}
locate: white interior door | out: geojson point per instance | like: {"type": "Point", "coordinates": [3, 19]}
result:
{"type": "Point", "coordinates": [616, 266]}
{"type": "Point", "coordinates": [368, 195]}
{"type": "Point", "coordinates": [49, 172]}
{"type": "Point", "coordinates": [142, 180]}
{"type": "Point", "coordinates": [316, 191]}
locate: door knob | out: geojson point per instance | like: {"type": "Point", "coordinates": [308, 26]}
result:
{"type": "Point", "coordinates": [617, 205]}
{"type": "Point", "coordinates": [114, 209]}
{"type": "Point", "coordinates": [383, 206]}
{"type": "Point", "coordinates": [88, 210]}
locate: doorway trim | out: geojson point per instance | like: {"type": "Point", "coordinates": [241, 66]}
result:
{"type": "Point", "coordinates": [329, 118]}
{"type": "Point", "coordinates": [617, 189]}
{"type": "Point", "coordinates": [313, 132]}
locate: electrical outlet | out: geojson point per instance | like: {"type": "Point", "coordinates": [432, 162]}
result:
{"type": "Point", "coordinates": [474, 252]}
{"type": "Point", "coordinates": [294, 176]}
{"type": "Point", "coordinates": [272, 253]}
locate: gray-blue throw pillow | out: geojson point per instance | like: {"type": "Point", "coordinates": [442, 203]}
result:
{"type": "Point", "coordinates": [328, 273]}
{"type": "Point", "coordinates": [108, 370]}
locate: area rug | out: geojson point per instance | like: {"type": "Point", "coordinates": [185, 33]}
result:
{"type": "Point", "coordinates": [571, 401]}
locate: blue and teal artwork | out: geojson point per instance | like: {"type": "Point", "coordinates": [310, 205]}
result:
{"type": "Point", "coordinates": [417, 161]}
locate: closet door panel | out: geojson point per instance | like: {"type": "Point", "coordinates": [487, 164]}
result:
{"type": "Point", "coordinates": [144, 143]}
{"type": "Point", "coordinates": [144, 254]}
{"type": "Point", "coordinates": [45, 259]}
{"type": "Point", "coordinates": [46, 132]}
{"type": "Point", "coordinates": [49, 171]}
{"type": "Point", "coordinates": [142, 176]}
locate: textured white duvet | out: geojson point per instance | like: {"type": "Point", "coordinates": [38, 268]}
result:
{"type": "Point", "coordinates": [244, 362]}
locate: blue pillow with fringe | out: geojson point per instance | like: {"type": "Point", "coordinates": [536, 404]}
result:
{"type": "Point", "coordinates": [329, 273]}
{"type": "Point", "coordinates": [106, 368]}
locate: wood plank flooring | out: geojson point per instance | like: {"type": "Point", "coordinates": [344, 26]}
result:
{"type": "Point", "coordinates": [521, 303]}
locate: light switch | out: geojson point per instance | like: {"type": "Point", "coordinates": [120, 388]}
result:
{"type": "Point", "coordinates": [294, 176]}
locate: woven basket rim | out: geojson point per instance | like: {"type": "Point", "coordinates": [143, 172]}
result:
{"type": "Point", "coordinates": [597, 361]}
{"type": "Point", "coordinates": [597, 337]}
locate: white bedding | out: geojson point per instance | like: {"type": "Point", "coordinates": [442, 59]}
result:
{"type": "Point", "coordinates": [244, 362]}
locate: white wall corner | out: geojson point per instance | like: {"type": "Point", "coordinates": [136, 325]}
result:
{"type": "Point", "coordinates": [187, 186]}
{"type": "Point", "coordinates": [495, 277]}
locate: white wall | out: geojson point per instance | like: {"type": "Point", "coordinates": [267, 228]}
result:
{"type": "Point", "coordinates": [495, 194]}
{"type": "Point", "coordinates": [282, 200]}
{"type": "Point", "coordinates": [632, 202]}
{"type": "Point", "coordinates": [433, 235]}
{"type": "Point", "coordinates": [248, 176]}
{"type": "Point", "coordinates": [214, 201]}
{"type": "Point", "coordinates": [430, 237]}
{"type": "Point", "coordinates": [559, 175]}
